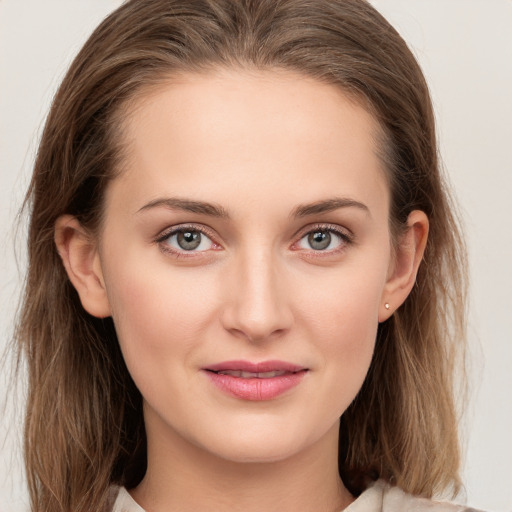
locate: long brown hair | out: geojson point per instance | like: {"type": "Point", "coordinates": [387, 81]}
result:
{"type": "Point", "coordinates": [84, 427]}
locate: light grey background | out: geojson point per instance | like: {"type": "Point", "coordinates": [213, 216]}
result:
{"type": "Point", "coordinates": [465, 48]}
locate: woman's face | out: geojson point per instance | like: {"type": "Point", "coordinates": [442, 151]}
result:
{"type": "Point", "coordinates": [245, 253]}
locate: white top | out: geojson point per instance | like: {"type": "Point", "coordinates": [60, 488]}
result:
{"type": "Point", "coordinates": [380, 497]}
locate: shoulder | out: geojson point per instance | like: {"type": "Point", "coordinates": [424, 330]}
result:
{"type": "Point", "coordinates": [123, 502]}
{"type": "Point", "coordinates": [382, 497]}
{"type": "Point", "coordinates": [394, 499]}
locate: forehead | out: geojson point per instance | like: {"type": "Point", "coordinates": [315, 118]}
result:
{"type": "Point", "coordinates": [230, 129]}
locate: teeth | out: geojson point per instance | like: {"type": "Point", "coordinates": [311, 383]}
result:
{"type": "Point", "coordinates": [252, 375]}
{"type": "Point", "coordinates": [268, 375]}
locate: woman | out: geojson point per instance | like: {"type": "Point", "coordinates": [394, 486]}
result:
{"type": "Point", "coordinates": [239, 235]}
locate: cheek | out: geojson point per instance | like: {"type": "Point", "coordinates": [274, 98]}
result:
{"type": "Point", "coordinates": [349, 338]}
{"type": "Point", "coordinates": [159, 316]}
{"type": "Point", "coordinates": [343, 322]}
{"type": "Point", "coordinates": [344, 305]}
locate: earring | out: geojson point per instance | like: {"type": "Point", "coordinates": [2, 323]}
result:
{"type": "Point", "coordinates": [386, 305]}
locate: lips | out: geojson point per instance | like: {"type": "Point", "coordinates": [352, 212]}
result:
{"type": "Point", "coordinates": [255, 381]}
{"type": "Point", "coordinates": [252, 375]}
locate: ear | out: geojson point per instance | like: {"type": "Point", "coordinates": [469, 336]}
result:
{"type": "Point", "coordinates": [79, 253]}
{"type": "Point", "coordinates": [405, 264]}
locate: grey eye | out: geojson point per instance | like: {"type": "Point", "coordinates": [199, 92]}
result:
{"type": "Point", "coordinates": [323, 239]}
{"type": "Point", "coordinates": [319, 240]}
{"type": "Point", "coordinates": [188, 240]}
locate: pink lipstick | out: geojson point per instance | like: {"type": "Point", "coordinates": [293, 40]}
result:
{"type": "Point", "coordinates": [255, 381]}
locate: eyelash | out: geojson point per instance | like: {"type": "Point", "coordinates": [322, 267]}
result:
{"type": "Point", "coordinates": [167, 234]}
{"type": "Point", "coordinates": [346, 239]}
{"type": "Point", "coordinates": [345, 236]}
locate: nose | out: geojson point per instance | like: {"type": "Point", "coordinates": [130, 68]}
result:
{"type": "Point", "coordinates": [257, 306]}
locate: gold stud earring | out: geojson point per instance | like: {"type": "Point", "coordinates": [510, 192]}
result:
{"type": "Point", "coordinates": [386, 305]}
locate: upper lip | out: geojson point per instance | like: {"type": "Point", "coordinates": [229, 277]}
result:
{"type": "Point", "coordinates": [261, 367]}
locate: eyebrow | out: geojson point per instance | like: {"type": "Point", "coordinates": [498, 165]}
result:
{"type": "Point", "coordinates": [214, 210]}
{"type": "Point", "coordinates": [328, 205]}
{"type": "Point", "coordinates": [187, 205]}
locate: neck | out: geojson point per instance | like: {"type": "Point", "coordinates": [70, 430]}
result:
{"type": "Point", "coordinates": [184, 477]}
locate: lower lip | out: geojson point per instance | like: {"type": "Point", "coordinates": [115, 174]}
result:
{"type": "Point", "coordinates": [256, 389]}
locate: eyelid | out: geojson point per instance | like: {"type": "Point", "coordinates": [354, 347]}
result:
{"type": "Point", "coordinates": [345, 234]}
{"type": "Point", "coordinates": [325, 226]}
{"type": "Point", "coordinates": [168, 232]}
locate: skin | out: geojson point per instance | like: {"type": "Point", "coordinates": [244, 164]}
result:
{"type": "Point", "coordinates": [259, 146]}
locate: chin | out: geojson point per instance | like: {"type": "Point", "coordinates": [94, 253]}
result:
{"type": "Point", "coordinates": [260, 453]}
{"type": "Point", "coordinates": [262, 444]}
